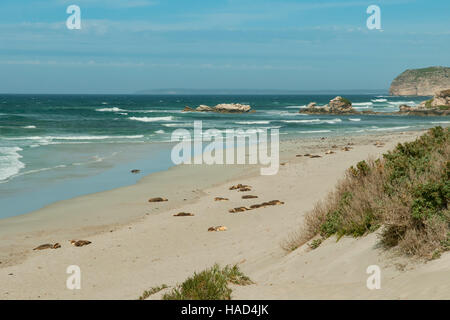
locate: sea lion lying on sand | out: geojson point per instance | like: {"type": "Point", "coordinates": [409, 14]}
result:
{"type": "Point", "coordinates": [158, 199]}
{"type": "Point", "coordinates": [218, 228]}
{"type": "Point", "coordinates": [239, 209]}
{"type": "Point", "coordinates": [183, 214]}
{"type": "Point", "coordinates": [48, 246]}
{"type": "Point", "coordinates": [249, 196]}
{"type": "Point", "coordinates": [265, 204]}
{"type": "Point", "coordinates": [239, 186]}
{"type": "Point", "coordinates": [80, 243]}
{"type": "Point", "coordinates": [220, 199]}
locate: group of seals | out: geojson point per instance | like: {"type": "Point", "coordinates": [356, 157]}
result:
{"type": "Point", "coordinates": [241, 187]}
{"type": "Point", "coordinates": [80, 243]}
{"type": "Point", "coordinates": [76, 243]}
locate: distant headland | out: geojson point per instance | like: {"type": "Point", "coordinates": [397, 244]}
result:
{"type": "Point", "coordinates": [421, 82]}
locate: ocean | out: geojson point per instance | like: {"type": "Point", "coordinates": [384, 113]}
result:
{"type": "Point", "coordinates": [56, 147]}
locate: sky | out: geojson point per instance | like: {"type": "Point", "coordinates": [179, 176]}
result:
{"type": "Point", "coordinates": [128, 46]}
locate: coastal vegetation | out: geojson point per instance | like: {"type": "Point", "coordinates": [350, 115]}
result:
{"type": "Point", "coordinates": [404, 195]}
{"type": "Point", "coordinates": [210, 284]}
{"type": "Point", "coordinates": [147, 293]}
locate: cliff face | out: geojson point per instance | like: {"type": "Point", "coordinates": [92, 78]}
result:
{"type": "Point", "coordinates": [421, 82]}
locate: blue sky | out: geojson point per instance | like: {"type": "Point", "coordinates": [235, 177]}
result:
{"type": "Point", "coordinates": [126, 46]}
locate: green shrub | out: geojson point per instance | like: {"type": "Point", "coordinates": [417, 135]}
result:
{"type": "Point", "coordinates": [210, 284]}
{"type": "Point", "coordinates": [407, 192]}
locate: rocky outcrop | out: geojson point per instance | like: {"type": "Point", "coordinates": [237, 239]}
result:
{"type": "Point", "coordinates": [421, 82]}
{"type": "Point", "coordinates": [221, 108]}
{"type": "Point", "coordinates": [440, 99]}
{"type": "Point", "coordinates": [338, 105]}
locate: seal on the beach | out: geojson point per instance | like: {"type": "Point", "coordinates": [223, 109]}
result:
{"type": "Point", "coordinates": [239, 209]}
{"type": "Point", "coordinates": [239, 186]}
{"type": "Point", "coordinates": [218, 228]}
{"type": "Point", "coordinates": [158, 199]}
{"type": "Point", "coordinates": [48, 246]}
{"type": "Point", "coordinates": [249, 196]}
{"type": "Point", "coordinates": [80, 243]}
{"type": "Point", "coordinates": [183, 214]}
{"type": "Point", "coordinates": [265, 204]}
{"type": "Point", "coordinates": [330, 152]}
{"type": "Point", "coordinates": [346, 149]}
{"type": "Point", "coordinates": [220, 199]}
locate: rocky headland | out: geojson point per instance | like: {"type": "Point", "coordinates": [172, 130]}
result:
{"type": "Point", "coordinates": [421, 82]}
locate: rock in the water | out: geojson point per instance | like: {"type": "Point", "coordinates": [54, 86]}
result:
{"type": "Point", "coordinates": [221, 108]}
{"type": "Point", "coordinates": [232, 107]}
{"type": "Point", "coordinates": [203, 108]}
{"type": "Point", "coordinates": [188, 109]}
{"type": "Point", "coordinates": [311, 105]}
{"type": "Point", "coordinates": [340, 104]}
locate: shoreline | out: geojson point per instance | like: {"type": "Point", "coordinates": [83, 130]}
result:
{"type": "Point", "coordinates": [148, 243]}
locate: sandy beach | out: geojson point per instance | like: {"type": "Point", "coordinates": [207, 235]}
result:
{"type": "Point", "coordinates": [137, 245]}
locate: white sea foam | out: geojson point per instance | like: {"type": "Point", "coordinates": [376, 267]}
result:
{"type": "Point", "coordinates": [439, 122]}
{"type": "Point", "coordinates": [50, 138]}
{"type": "Point", "coordinates": [113, 109]}
{"type": "Point", "coordinates": [354, 119]}
{"type": "Point", "coordinates": [397, 103]}
{"type": "Point", "coordinates": [10, 163]}
{"type": "Point", "coordinates": [252, 122]}
{"type": "Point", "coordinates": [379, 100]}
{"type": "Point", "coordinates": [315, 131]}
{"type": "Point", "coordinates": [295, 107]}
{"type": "Point", "coordinates": [362, 103]}
{"type": "Point", "coordinates": [160, 131]}
{"type": "Point", "coordinates": [333, 121]}
{"type": "Point", "coordinates": [151, 119]}
{"type": "Point", "coordinates": [29, 127]}
{"type": "Point", "coordinates": [301, 121]}
{"type": "Point", "coordinates": [390, 129]}
{"type": "Point", "coordinates": [179, 124]}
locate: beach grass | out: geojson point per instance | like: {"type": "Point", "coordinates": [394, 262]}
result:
{"type": "Point", "coordinates": [147, 293]}
{"type": "Point", "coordinates": [210, 284]}
{"type": "Point", "coordinates": [405, 193]}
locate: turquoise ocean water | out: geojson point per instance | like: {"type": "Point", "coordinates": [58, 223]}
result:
{"type": "Point", "coordinates": [55, 147]}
